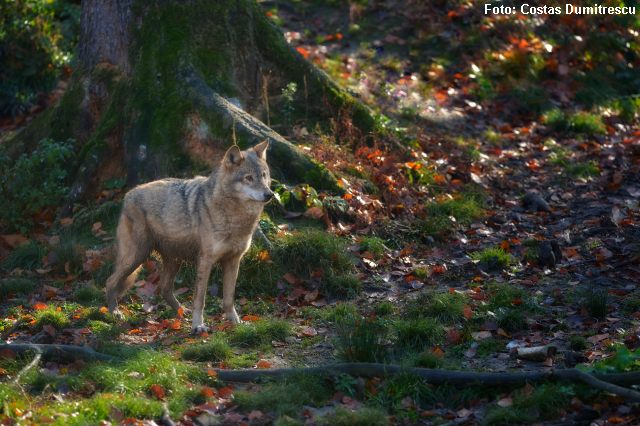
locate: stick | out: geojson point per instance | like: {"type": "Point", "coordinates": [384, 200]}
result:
{"type": "Point", "coordinates": [266, 97]}
{"type": "Point", "coordinates": [166, 416]}
{"type": "Point", "coordinates": [66, 352]}
{"type": "Point", "coordinates": [36, 359]}
{"type": "Point", "coordinates": [439, 377]}
{"type": "Point", "coordinates": [13, 328]}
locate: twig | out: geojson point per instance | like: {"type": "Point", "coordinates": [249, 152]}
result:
{"type": "Point", "coordinates": [266, 97]}
{"type": "Point", "coordinates": [36, 359]}
{"type": "Point", "coordinates": [605, 228]}
{"type": "Point", "coordinates": [10, 331]}
{"type": "Point", "coordinates": [306, 100]}
{"type": "Point", "coordinates": [603, 382]}
{"type": "Point", "coordinates": [65, 352]}
{"type": "Point", "coordinates": [166, 416]}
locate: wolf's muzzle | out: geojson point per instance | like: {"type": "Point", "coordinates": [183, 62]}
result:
{"type": "Point", "coordinates": [267, 196]}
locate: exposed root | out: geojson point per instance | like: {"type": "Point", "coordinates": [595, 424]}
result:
{"type": "Point", "coordinates": [604, 382]}
{"type": "Point", "coordinates": [36, 359]}
{"type": "Point", "coordinates": [68, 353]}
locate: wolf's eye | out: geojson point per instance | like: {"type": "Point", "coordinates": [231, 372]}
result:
{"type": "Point", "coordinates": [249, 178]}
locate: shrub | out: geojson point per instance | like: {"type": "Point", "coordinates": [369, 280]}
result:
{"type": "Point", "coordinates": [37, 40]}
{"type": "Point", "coordinates": [33, 182]}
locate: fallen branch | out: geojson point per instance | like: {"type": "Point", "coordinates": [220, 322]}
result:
{"type": "Point", "coordinates": [603, 382]}
{"type": "Point", "coordinates": [36, 359]}
{"type": "Point", "coordinates": [166, 416]}
{"type": "Point", "coordinates": [70, 353]}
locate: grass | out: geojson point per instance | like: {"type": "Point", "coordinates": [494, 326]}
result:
{"type": "Point", "coordinates": [419, 334]}
{"type": "Point", "coordinates": [504, 294]}
{"type": "Point", "coordinates": [373, 245]}
{"type": "Point", "coordinates": [597, 303]}
{"type": "Point", "coordinates": [496, 415]}
{"type": "Point", "coordinates": [96, 314]}
{"type": "Point", "coordinates": [27, 257]}
{"type": "Point", "coordinates": [285, 397]}
{"type": "Point", "coordinates": [630, 305]}
{"type": "Point", "coordinates": [17, 286]}
{"type": "Point", "coordinates": [68, 251]}
{"type": "Point", "coordinates": [259, 333]}
{"type": "Point", "coordinates": [581, 122]}
{"type": "Point", "coordinates": [446, 307]}
{"type": "Point", "coordinates": [384, 308]}
{"type": "Point", "coordinates": [495, 258]}
{"type": "Point", "coordinates": [487, 347]}
{"type": "Point", "coordinates": [88, 295]}
{"type": "Point", "coordinates": [361, 340]}
{"type": "Point", "coordinates": [216, 350]}
{"type": "Point", "coordinates": [306, 252]}
{"type": "Point", "coordinates": [337, 312]}
{"type": "Point", "coordinates": [51, 316]}
{"type": "Point", "coordinates": [367, 416]}
{"type": "Point", "coordinates": [465, 208]}
{"type": "Point", "coordinates": [578, 343]}
{"type": "Point", "coordinates": [511, 319]}
{"type": "Point", "coordinates": [428, 359]}
{"type": "Point", "coordinates": [583, 170]}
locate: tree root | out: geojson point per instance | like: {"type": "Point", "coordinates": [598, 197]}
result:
{"type": "Point", "coordinates": [603, 382]}
{"type": "Point", "coordinates": [166, 416]}
{"type": "Point", "coordinates": [36, 359]}
{"type": "Point", "coordinates": [10, 331]}
{"type": "Point", "coordinates": [69, 353]}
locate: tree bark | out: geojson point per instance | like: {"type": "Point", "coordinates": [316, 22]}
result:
{"type": "Point", "coordinates": [161, 86]}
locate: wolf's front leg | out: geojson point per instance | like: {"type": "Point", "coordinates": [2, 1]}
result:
{"type": "Point", "coordinates": [197, 321]}
{"type": "Point", "coordinates": [229, 276]}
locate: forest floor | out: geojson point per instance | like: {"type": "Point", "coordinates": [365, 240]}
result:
{"type": "Point", "coordinates": [434, 258]}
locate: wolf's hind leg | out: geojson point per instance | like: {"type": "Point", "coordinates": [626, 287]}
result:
{"type": "Point", "coordinates": [131, 253]}
{"type": "Point", "coordinates": [170, 268]}
{"type": "Point", "coordinates": [204, 270]}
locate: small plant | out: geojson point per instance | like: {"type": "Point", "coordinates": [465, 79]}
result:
{"type": "Point", "coordinates": [582, 122]}
{"type": "Point", "coordinates": [597, 303]}
{"type": "Point", "coordinates": [421, 333]}
{"type": "Point", "coordinates": [384, 308]}
{"type": "Point", "coordinates": [578, 343]}
{"type": "Point", "coordinates": [260, 332]}
{"type": "Point", "coordinates": [33, 182]}
{"type": "Point", "coordinates": [287, 97]}
{"type": "Point", "coordinates": [216, 350]}
{"type": "Point", "coordinates": [372, 245]}
{"type": "Point", "coordinates": [346, 384]}
{"type": "Point", "coordinates": [511, 319]}
{"type": "Point", "coordinates": [361, 340]}
{"type": "Point", "coordinates": [88, 294]}
{"type": "Point", "coordinates": [338, 312]}
{"type": "Point", "coordinates": [446, 307]}
{"type": "Point", "coordinates": [367, 416]}
{"type": "Point", "coordinates": [68, 253]}
{"type": "Point", "coordinates": [488, 346]}
{"type": "Point", "coordinates": [583, 170]}
{"type": "Point", "coordinates": [631, 305]}
{"type": "Point", "coordinates": [16, 286]}
{"type": "Point", "coordinates": [494, 258]}
{"type": "Point", "coordinates": [27, 257]}
{"type": "Point", "coordinates": [53, 317]}
{"type": "Point", "coordinates": [428, 359]}
{"type": "Point", "coordinates": [505, 295]}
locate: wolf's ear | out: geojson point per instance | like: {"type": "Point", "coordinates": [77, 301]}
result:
{"type": "Point", "coordinates": [233, 157]}
{"type": "Point", "coordinates": [261, 149]}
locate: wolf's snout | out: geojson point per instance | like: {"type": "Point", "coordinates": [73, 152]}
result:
{"type": "Point", "coordinates": [268, 196]}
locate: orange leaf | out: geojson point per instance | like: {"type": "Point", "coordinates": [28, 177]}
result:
{"type": "Point", "coordinates": [224, 393]}
{"type": "Point", "coordinates": [252, 318]}
{"type": "Point", "coordinates": [211, 372]}
{"type": "Point", "coordinates": [263, 364]}
{"type": "Point", "coordinates": [175, 325]}
{"type": "Point", "coordinates": [468, 313]}
{"type": "Point", "coordinates": [157, 391]}
{"type": "Point", "coordinates": [517, 301]}
{"type": "Point", "coordinates": [39, 306]}
{"type": "Point", "coordinates": [206, 391]}
{"type": "Point", "coordinates": [505, 246]}
{"type": "Point", "coordinates": [103, 309]}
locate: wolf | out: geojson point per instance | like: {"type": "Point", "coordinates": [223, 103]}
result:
{"type": "Point", "coordinates": [205, 220]}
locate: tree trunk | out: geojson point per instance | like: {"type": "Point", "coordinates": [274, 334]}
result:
{"type": "Point", "coordinates": [162, 85]}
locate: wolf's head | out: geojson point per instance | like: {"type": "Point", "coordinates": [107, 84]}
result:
{"type": "Point", "coordinates": [247, 173]}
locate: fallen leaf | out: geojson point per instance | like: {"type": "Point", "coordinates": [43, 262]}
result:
{"type": "Point", "coordinates": [50, 330]}
{"type": "Point", "coordinates": [263, 364]}
{"type": "Point", "coordinates": [157, 391]}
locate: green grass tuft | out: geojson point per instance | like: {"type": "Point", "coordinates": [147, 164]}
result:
{"type": "Point", "coordinates": [27, 257]}
{"type": "Point", "coordinates": [578, 343]}
{"type": "Point", "coordinates": [511, 319]}
{"type": "Point", "coordinates": [17, 286]}
{"type": "Point", "coordinates": [68, 251]}
{"type": "Point", "coordinates": [446, 307]}
{"type": "Point", "coordinates": [384, 308]}
{"type": "Point", "coordinates": [419, 334]}
{"type": "Point", "coordinates": [582, 122]}
{"type": "Point", "coordinates": [373, 245]}
{"type": "Point", "coordinates": [630, 305]}
{"type": "Point", "coordinates": [216, 350]}
{"type": "Point", "coordinates": [367, 416]}
{"type": "Point", "coordinates": [285, 397]}
{"type": "Point", "coordinates": [88, 294]}
{"type": "Point", "coordinates": [53, 317]}
{"type": "Point", "coordinates": [260, 332]}
{"type": "Point", "coordinates": [504, 294]}
{"type": "Point", "coordinates": [495, 258]}
{"type": "Point", "coordinates": [597, 303]}
{"type": "Point", "coordinates": [361, 339]}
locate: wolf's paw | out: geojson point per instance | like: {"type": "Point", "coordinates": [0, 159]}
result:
{"type": "Point", "coordinates": [199, 329]}
{"type": "Point", "coordinates": [234, 318]}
